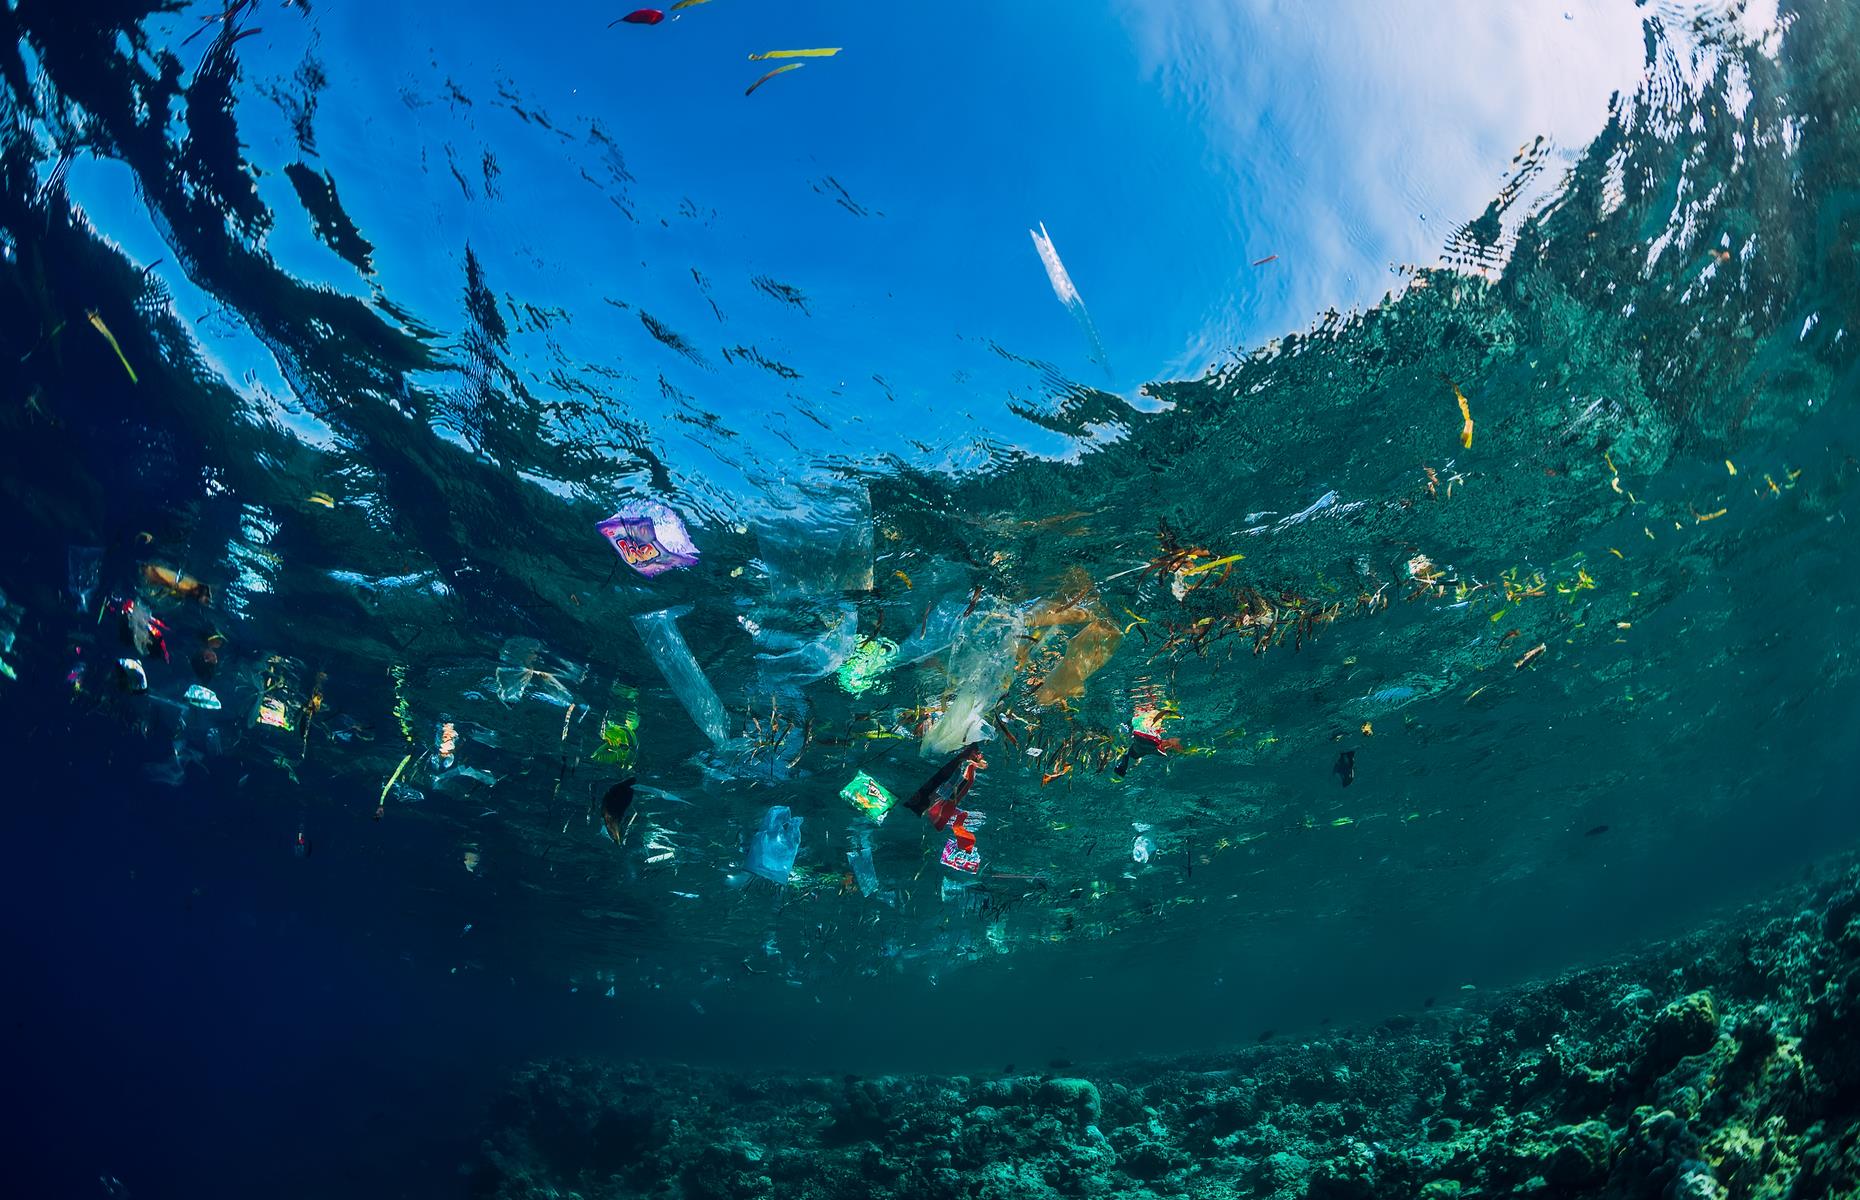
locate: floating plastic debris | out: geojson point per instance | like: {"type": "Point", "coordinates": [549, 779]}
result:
{"type": "Point", "coordinates": [956, 858]}
{"type": "Point", "coordinates": [869, 796]}
{"type": "Point", "coordinates": [774, 847]}
{"type": "Point", "coordinates": [1142, 848]}
{"type": "Point", "coordinates": [83, 570]}
{"type": "Point", "coordinates": [131, 675]}
{"type": "Point", "coordinates": [202, 697]}
{"type": "Point", "coordinates": [821, 52]}
{"type": "Point", "coordinates": [640, 16]}
{"type": "Point", "coordinates": [668, 651]}
{"type": "Point", "coordinates": [868, 664]}
{"type": "Point", "coordinates": [864, 871]}
{"type": "Point", "coordinates": [471, 774]}
{"type": "Point", "coordinates": [981, 670]}
{"type": "Point", "coordinates": [1068, 293]}
{"type": "Point", "coordinates": [650, 538]}
{"type": "Point", "coordinates": [781, 70]}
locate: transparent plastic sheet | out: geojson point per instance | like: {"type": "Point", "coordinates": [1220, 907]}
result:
{"type": "Point", "coordinates": [527, 671]}
{"type": "Point", "coordinates": [935, 633]}
{"type": "Point", "coordinates": [774, 847]}
{"type": "Point", "coordinates": [665, 645]}
{"type": "Point", "coordinates": [981, 668]}
{"type": "Point", "coordinates": [859, 859]}
{"type": "Point", "coordinates": [83, 570]}
{"type": "Point", "coordinates": [803, 661]}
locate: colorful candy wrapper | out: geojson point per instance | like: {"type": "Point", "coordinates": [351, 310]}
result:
{"type": "Point", "coordinates": [650, 538]}
{"type": "Point", "coordinates": [869, 796]}
{"type": "Point", "coordinates": [958, 859]}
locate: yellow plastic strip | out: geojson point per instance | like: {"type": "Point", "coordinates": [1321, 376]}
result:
{"type": "Point", "coordinates": [97, 323]}
{"type": "Point", "coordinates": [826, 52]}
{"type": "Point", "coordinates": [1198, 568]}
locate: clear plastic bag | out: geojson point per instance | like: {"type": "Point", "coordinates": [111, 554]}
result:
{"type": "Point", "coordinates": [774, 847]}
{"type": "Point", "coordinates": [981, 667]}
{"type": "Point", "coordinates": [668, 651]}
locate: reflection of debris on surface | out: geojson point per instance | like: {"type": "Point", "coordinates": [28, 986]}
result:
{"type": "Point", "coordinates": [658, 844]}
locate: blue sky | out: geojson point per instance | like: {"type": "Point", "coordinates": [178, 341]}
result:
{"type": "Point", "coordinates": [1164, 146]}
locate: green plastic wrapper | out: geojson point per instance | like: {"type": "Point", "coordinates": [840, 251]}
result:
{"type": "Point", "coordinates": [869, 796]}
{"type": "Point", "coordinates": [867, 664]}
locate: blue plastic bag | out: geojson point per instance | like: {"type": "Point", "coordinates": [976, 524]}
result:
{"type": "Point", "coordinates": [774, 847]}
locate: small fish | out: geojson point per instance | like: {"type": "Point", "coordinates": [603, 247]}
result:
{"type": "Point", "coordinates": [614, 805]}
{"type": "Point", "coordinates": [1260, 262]}
{"type": "Point", "coordinates": [1345, 768]}
{"type": "Point", "coordinates": [687, 896]}
{"type": "Point", "coordinates": [1598, 831]}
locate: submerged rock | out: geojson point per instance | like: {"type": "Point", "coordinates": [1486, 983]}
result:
{"type": "Point", "coordinates": [1723, 1066]}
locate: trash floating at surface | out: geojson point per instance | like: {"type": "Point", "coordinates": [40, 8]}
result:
{"type": "Point", "coordinates": [1345, 768]}
{"type": "Point", "coordinates": [1142, 848]}
{"type": "Point", "coordinates": [774, 847]}
{"type": "Point", "coordinates": [751, 90]}
{"type": "Point", "coordinates": [869, 796]}
{"type": "Point", "coordinates": [639, 16]}
{"type": "Point", "coordinates": [445, 743]}
{"type": "Point", "coordinates": [957, 858]}
{"type": "Point", "coordinates": [864, 871]}
{"type": "Point", "coordinates": [271, 711]}
{"type": "Point", "coordinates": [83, 571]}
{"type": "Point", "coordinates": [822, 52]}
{"type": "Point", "coordinates": [981, 669]}
{"type": "Point", "coordinates": [526, 673]}
{"type": "Point", "coordinates": [131, 676]}
{"type": "Point", "coordinates": [665, 645]}
{"type": "Point", "coordinates": [1466, 431]}
{"type": "Point", "coordinates": [202, 697]}
{"type": "Point", "coordinates": [867, 665]}
{"type": "Point", "coordinates": [650, 538]}
{"type": "Point", "coordinates": [176, 583]}
{"type": "Point", "coordinates": [97, 324]}
{"type": "Point", "coordinates": [619, 741]}
{"type": "Point", "coordinates": [1068, 293]}
{"type": "Point", "coordinates": [470, 774]}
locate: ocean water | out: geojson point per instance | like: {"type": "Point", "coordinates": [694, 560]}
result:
{"type": "Point", "coordinates": [1370, 486]}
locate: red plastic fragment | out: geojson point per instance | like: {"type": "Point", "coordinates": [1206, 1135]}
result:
{"type": "Point", "coordinates": [644, 16]}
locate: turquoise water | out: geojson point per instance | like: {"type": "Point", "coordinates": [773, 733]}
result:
{"type": "Point", "coordinates": [1443, 420]}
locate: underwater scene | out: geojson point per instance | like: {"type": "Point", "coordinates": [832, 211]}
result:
{"type": "Point", "coordinates": [1077, 598]}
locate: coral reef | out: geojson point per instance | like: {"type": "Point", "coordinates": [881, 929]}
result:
{"type": "Point", "coordinates": [1720, 1066]}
